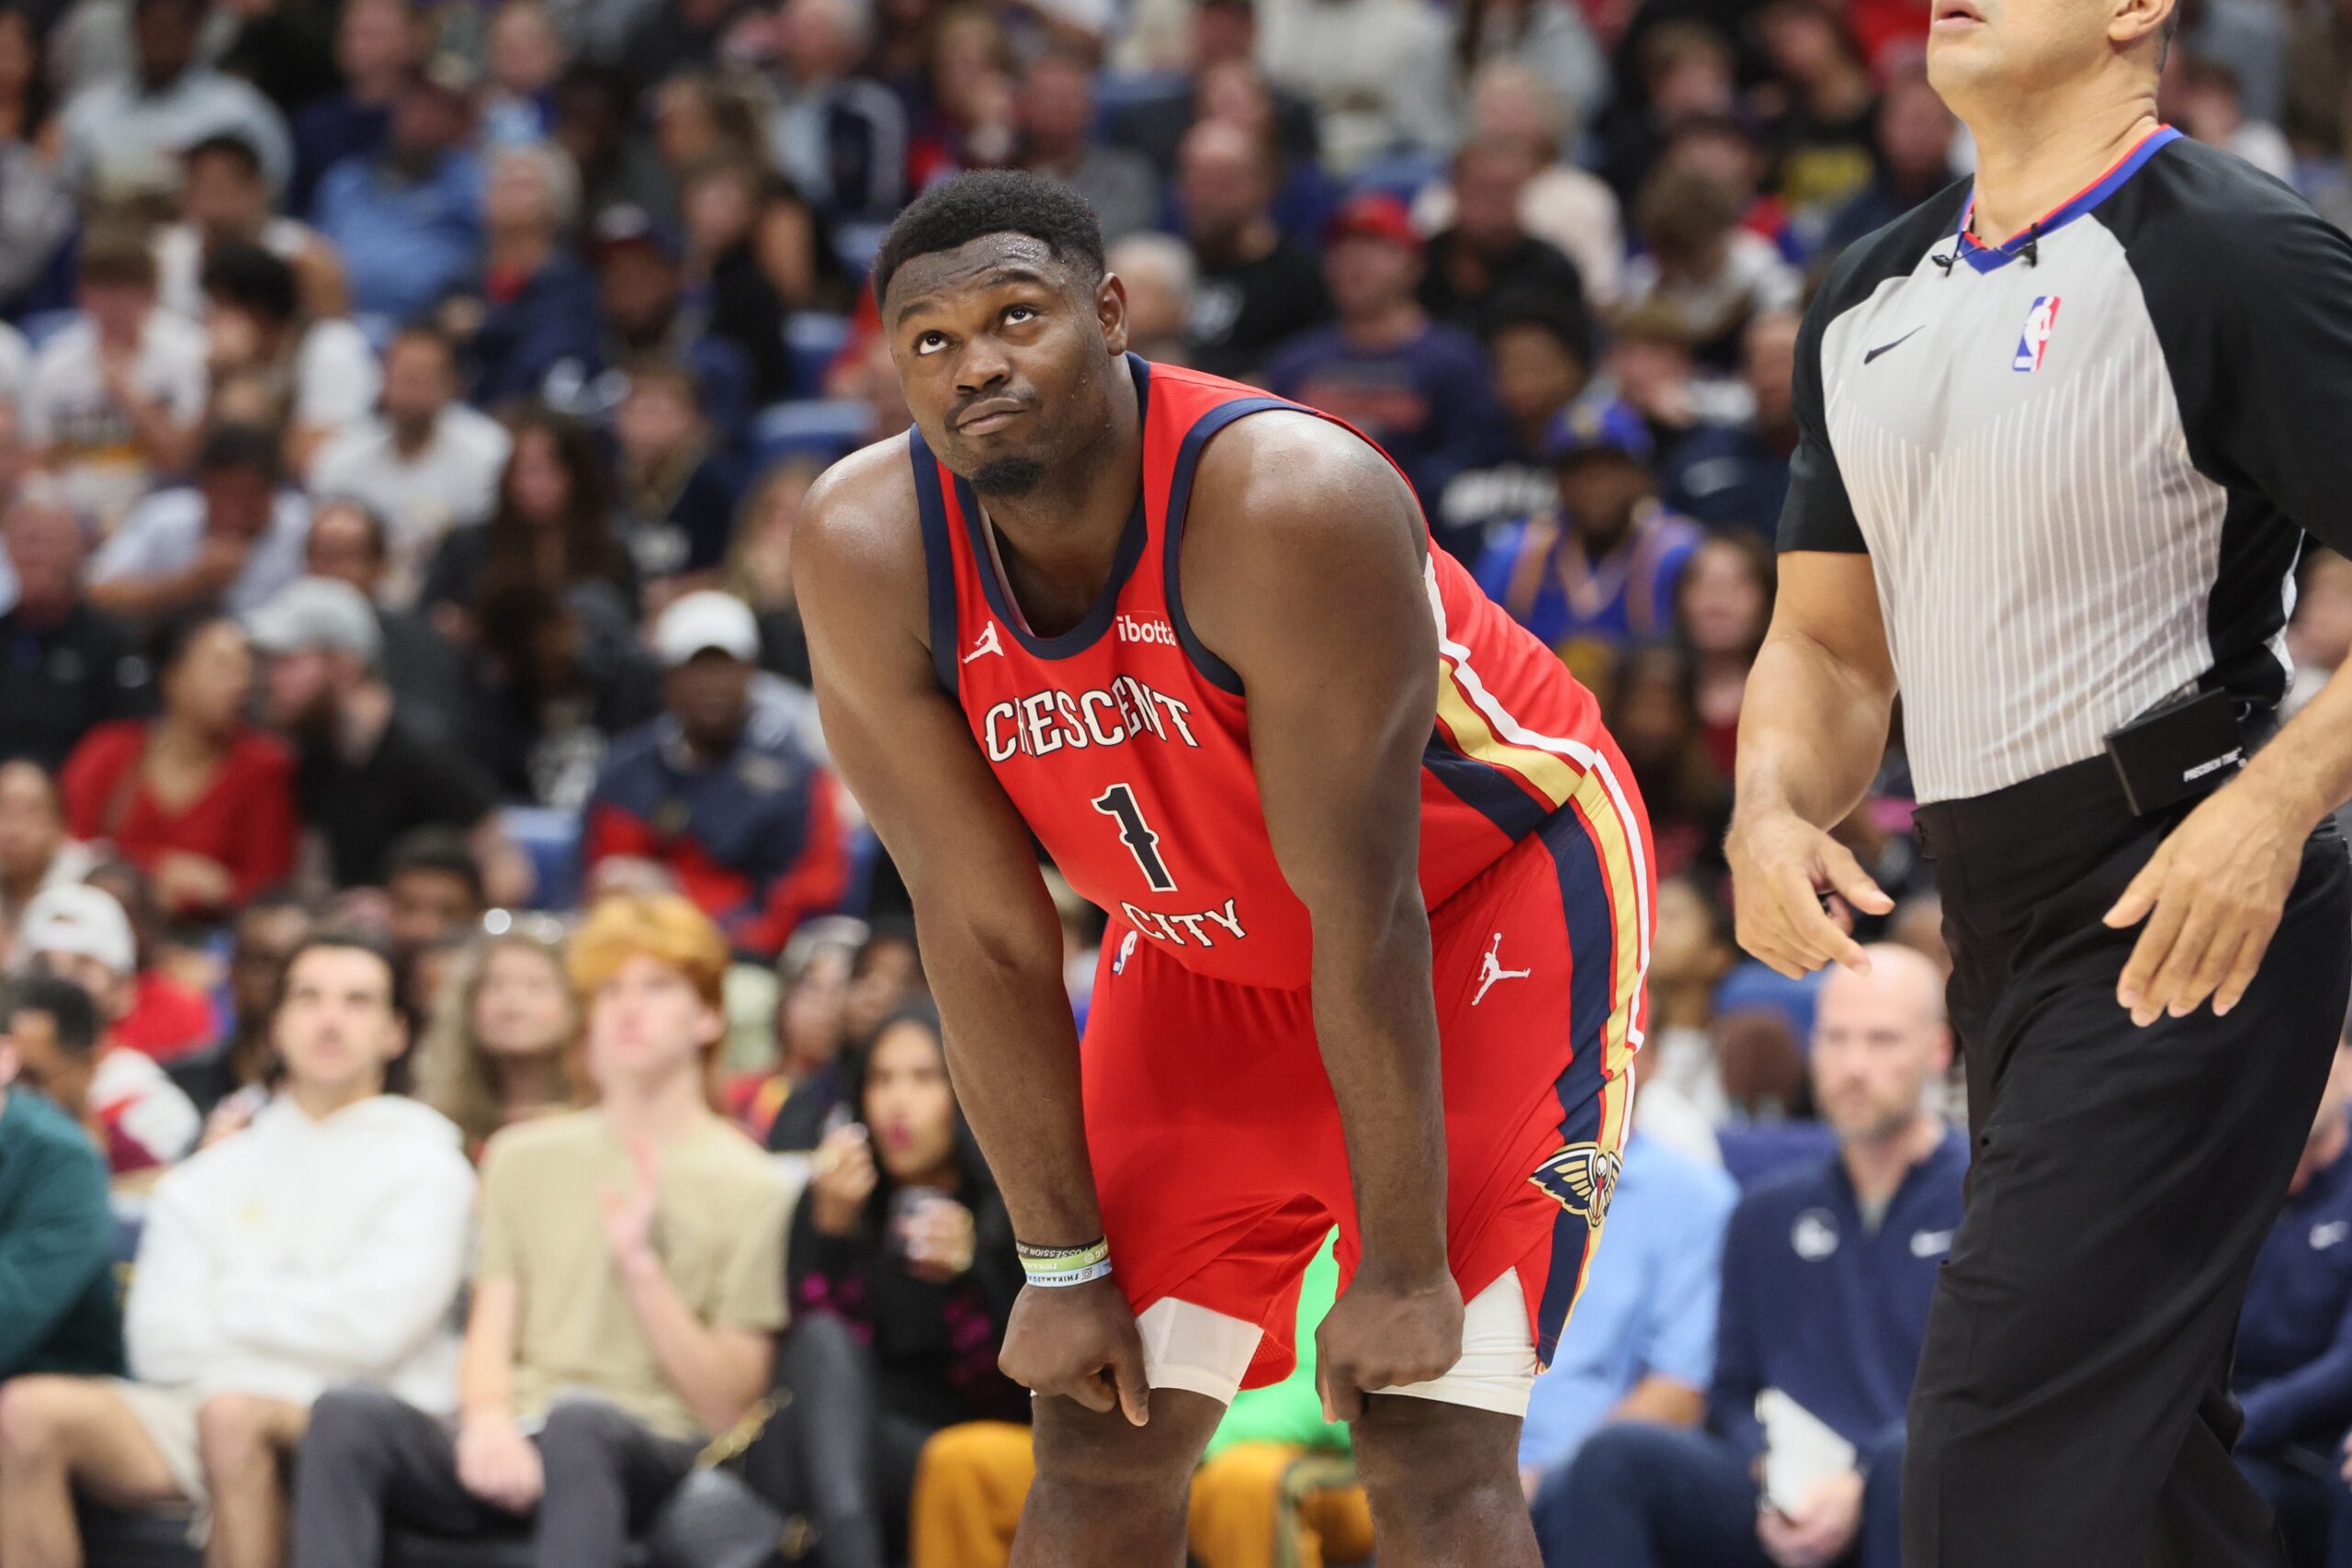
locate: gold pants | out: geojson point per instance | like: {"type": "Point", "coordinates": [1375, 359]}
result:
{"type": "Point", "coordinates": [1254, 1506]}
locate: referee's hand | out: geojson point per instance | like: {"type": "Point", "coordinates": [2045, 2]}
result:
{"type": "Point", "coordinates": [2211, 895]}
{"type": "Point", "coordinates": [1781, 867]}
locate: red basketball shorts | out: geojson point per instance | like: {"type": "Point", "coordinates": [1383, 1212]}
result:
{"type": "Point", "coordinates": [1217, 1147]}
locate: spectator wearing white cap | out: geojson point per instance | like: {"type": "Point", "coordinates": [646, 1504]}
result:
{"type": "Point", "coordinates": [364, 775]}
{"type": "Point", "coordinates": [720, 792]}
{"type": "Point", "coordinates": [135, 1112]}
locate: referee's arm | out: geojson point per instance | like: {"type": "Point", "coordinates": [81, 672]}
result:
{"type": "Point", "coordinates": [1813, 725]}
{"type": "Point", "coordinates": [2258, 332]}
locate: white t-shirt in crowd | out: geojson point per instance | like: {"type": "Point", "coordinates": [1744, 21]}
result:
{"type": "Point", "coordinates": [336, 377]}
{"type": "Point", "coordinates": [91, 442]}
{"type": "Point", "coordinates": [164, 533]}
{"type": "Point", "coordinates": [451, 482]}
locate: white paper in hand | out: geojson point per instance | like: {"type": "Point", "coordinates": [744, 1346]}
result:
{"type": "Point", "coordinates": [1800, 1450]}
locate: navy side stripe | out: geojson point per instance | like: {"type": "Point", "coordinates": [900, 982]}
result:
{"type": "Point", "coordinates": [1484, 788]}
{"type": "Point", "coordinates": [1180, 495]}
{"type": "Point", "coordinates": [938, 561]}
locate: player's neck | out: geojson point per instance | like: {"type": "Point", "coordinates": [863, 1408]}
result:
{"type": "Point", "coordinates": [2039, 154]}
{"type": "Point", "coordinates": [1059, 538]}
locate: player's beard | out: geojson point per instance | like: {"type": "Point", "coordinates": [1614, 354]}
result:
{"type": "Point", "coordinates": [1009, 476]}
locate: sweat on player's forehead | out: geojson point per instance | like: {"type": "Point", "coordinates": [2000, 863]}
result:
{"type": "Point", "coordinates": [992, 261]}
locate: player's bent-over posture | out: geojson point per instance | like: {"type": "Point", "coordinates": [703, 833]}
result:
{"type": "Point", "coordinates": [1378, 886]}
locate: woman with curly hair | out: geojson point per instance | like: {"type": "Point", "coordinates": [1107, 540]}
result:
{"type": "Point", "coordinates": [503, 1041]}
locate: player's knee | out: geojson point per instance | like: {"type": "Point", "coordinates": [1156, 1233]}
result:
{"type": "Point", "coordinates": [1110, 1463]}
{"type": "Point", "coordinates": [35, 1416]}
{"type": "Point", "coordinates": [1426, 1455]}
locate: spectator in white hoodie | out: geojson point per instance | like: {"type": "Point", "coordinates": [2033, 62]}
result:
{"type": "Point", "coordinates": [324, 1244]}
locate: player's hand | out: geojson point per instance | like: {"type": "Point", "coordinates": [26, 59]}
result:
{"type": "Point", "coordinates": [1079, 1342]}
{"type": "Point", "coordinates": [1380, 1336]}
{"type": "Point", "coordinates": [1781, 865]}
{"type": "Point", "coordinates": [498, 1464]}
{"type": "Point", "coordinates": [2212, 895]}
{"type": "Point", "coordinates": [1818, 1533]}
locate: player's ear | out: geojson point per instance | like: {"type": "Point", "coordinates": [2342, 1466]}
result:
{"type": "Point", "coordinates": [2129, 22]}
{"type": "Point", "coordinates": [1111, 310]}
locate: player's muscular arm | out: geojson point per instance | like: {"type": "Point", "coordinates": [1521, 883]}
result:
{"type": "Point", "coordinates": [1811, 730]}
{"type": "Point", "coordinates": [990, 941]}
{"type": "Point", "coordinates": [1304, 571]}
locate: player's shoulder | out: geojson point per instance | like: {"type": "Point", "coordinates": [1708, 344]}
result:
{"type": "Point", "coordinates": [1285, 479]}
{"type": "Point", "coordinates": [862, 515]}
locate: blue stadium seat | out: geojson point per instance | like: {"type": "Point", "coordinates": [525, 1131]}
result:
{"type": "Point", "coordinates": [854, 245]}
{"type": "Point", "coordinates": [825, 428]}
{"type": "Point", "coordinates": [1400, 173]}
{"type": "Point", "coordinates": [811, 338]}
{"type": "Point", "coordinates": [551, 839]}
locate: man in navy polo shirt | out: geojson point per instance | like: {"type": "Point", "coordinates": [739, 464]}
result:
{"type": "Point", "coordinates": [2292, 1373]}
{"type": "Point", "coordinates": [720, 792]}
{"type": "Point", "coordinates": [1827, 1271]}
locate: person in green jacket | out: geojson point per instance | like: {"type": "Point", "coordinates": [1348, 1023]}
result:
{"type": "Point", "coordinates": [58, 1309]}
{"type": "Point", "coordinates": [1276, 1488]}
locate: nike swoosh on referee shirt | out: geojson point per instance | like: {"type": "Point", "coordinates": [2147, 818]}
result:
{"type": "Point", "coordinates": [1888, 347]}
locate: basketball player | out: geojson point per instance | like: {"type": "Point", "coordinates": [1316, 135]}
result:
{"type": "Point", "coordinates": [1378, 883]}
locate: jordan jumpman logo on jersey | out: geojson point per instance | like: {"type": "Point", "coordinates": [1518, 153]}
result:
{"type": "Point", "coordinates": [985, 644]}
{"type": "Point", "coordinates": [1492, 970]}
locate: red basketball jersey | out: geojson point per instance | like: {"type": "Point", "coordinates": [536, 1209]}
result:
{"type": "Point", "coordinates": [1125, 743]}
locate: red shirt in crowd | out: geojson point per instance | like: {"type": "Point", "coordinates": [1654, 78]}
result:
{"type": "Point", "coordinates": [245, 818]}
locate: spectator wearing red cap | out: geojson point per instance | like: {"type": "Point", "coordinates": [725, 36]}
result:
{"type": "Point", "coordinates": [1417, 388]}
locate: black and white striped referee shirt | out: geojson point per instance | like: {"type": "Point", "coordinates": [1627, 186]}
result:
{"type": "Point", "coordinates": [2082, 462]}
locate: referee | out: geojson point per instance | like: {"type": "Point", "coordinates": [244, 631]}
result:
{"type": "Point", "coordinates": [2064, 432]}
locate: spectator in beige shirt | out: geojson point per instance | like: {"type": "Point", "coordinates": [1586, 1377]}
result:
{"type": "Point", "coordinates": [631, 1283]}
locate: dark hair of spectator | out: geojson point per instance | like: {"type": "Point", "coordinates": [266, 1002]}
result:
{"type": "Point", "coordinates": [1545, 313]}
{"type": "Point", "coordinates": [973, 1184]}
{"type": "Point", "coordinates": [245, 447]}
{"type": "Point", "coordinates": [996, 201]}
{"type": "Point", "coordinates": [174, 634]}
{"type": "Point", "coordinates": [734, 117]}
{"type": "Point", "coordinates": [1756, 555]}
{"type": "Point", "coordinates": [1671, 45]}
{"type": "Point", "coordinates": [39, 96]}
{"type": "Point", "coordinates": [442, 852]}
{"type": "Point", "coordinates": [1684, 780]}
{"type": "Point", "coordinates": [249, 277]}
{"type": "Point", "coordinates": [71, 1012]}
{"type": "Point", "coordinates": [884, 931]}
{"type": "Point", "coordinates": [114, 255]}
{"type": "Point", "coordinates": [591, 548]}
{"type": "Point", "coordinates": [1683, 211]}
{"type": "Point", "coordinates": [345, 940]}
{"type": "Point", "coordinates": [237, 148]}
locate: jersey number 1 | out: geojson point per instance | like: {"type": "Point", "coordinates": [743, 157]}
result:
{"type": "Point", "coordinates": [1119, 801]}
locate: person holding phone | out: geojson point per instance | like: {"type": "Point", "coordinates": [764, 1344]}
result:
{"type": "Point", "coordinates": [903, 1274]}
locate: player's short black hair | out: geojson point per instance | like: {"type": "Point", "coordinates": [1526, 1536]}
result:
{"type": "Point", "coordinates": [250, 278]}
{"type": "Point", "coordinates": [68, 1007]}
{"type": "Point", "coordinates": [992, 201]}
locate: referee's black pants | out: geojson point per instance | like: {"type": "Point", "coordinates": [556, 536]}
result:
{"type": "Point", "coordinates": [2072, 1408]}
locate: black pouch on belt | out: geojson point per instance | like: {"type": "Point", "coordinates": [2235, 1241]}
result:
{"type": "Point", "coordinates": [2176, 751]}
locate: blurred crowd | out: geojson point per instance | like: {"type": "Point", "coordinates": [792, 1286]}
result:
{"type": "Point", "coordinates": [456, 1026]}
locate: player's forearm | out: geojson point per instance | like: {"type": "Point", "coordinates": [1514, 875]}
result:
{"type": "Point", "coordinates": [1013, 1053]}
{"type": "Point", "coordinates": [2308, 767]}
{"type": "Point", "coordinates": [1811, 730]}
{"type": "Point", "coordinates": [1375, 1020]}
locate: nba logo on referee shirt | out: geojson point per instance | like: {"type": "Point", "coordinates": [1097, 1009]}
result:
{"type": "Point", "coordinates": [2035, 339]}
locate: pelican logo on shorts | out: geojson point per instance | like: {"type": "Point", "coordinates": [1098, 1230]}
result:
{"type": "Point", "coordinates": [2034, 342]}
{"type": "Point", "coordinates": [1583, 1177]}
{"type": "Point", "coordinates": [1126, 950]}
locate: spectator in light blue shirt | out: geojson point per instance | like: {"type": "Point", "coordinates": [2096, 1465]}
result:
{"type": "Point", "coordinates": [1641, 1344]}
{"type": "Point", "coordinates": [408, 222]}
